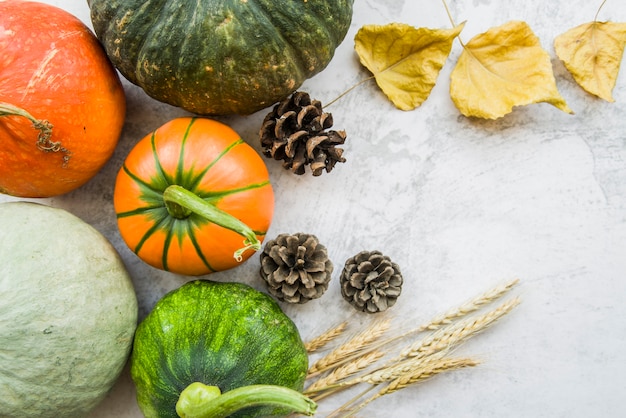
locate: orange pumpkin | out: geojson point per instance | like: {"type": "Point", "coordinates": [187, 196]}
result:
{"type": "Point", "coordinates": [62, 104]}
{"type": "Point", "coordinates": [193, 198]}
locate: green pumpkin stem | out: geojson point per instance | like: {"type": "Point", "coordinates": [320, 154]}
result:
{"type": "Point", "coordinates": [202, 401]}
{"type": "Point", "coordinates": [181, 203]}
{"type": "Point", "coordinates": [44, 127]}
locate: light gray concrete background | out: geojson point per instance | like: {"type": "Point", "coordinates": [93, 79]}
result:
{"type": "Point", "coordinates": [461, 205]}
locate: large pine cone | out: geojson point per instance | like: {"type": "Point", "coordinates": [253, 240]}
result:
{"type": "Point", "coordinates": [371, 282]}
{"type": "Point", "coordinates": [296, 131]}
{"type": "Point", "coordinates": [296, 267]}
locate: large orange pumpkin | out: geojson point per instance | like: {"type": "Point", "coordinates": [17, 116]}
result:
{"type": "Point", "coordinates": [193, 198]}
{"type": "Point", "coordinates": [62, 104]}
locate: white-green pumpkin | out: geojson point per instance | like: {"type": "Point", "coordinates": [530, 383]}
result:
{"type": "Point", "coordinates": [68, 313]}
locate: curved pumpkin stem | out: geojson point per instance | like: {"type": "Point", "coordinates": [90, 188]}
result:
{"type": "Point", "coordinates": [44, 127]}
{"type": "Point", "coordinates": [202, 401]}
{"type": "Point", "coordinates": [181, 203]}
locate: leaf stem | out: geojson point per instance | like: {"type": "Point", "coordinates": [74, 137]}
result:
{"type": "Point", "coordinates": [203, 401]}
{"type": "Point", "coordinates": [349, 90]}
{"type": "Point", "coordinates": [181, 203]}
{"type": "Point", "coordinates": [445, 5]}
{"type": "Point", "coordinates": [595, 18]}
{"type": "Point", "coordinates": [452, 22]}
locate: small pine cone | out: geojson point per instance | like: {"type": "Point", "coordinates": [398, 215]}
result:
{"type": "Point", "coordinates": [296, 267]}
{"type": "Point", "coordinates": [371, 282]}
{"type": "Point", "coordinates": [296, 131]}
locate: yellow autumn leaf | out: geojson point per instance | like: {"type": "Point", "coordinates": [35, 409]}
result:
{"type": "Point", "coordinates": [404, 60]}
{"type": "Point", "coordinates": [592, 53]}
{"type": "Point", "coordinates": [503, 68]}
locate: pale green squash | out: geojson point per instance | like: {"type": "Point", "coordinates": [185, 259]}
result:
{"type": "Point", "coordinates": [68, 312]}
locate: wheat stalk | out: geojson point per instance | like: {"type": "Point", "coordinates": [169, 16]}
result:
{"type": "Point", "coordinates": [469, 307]}
{"type": "Point", "coordinates": [355, 361]}
{"type": "Point", "coordinates": [352, 348]}
{"type": "Point", "coordinates": [443, 365]}
{"type": "Point", "coordinates": [437, 344]}
{"type": "Point", "coordinates": [425, 370]}
{"type": "Point", "coordinates": [344, 371]}
{"type": "Point", "coordinates": [326, 337]}
{"type": "Point", "coordinates": [458, 332]}
{"type": "Point", "coordinates": [458, 312]}
{"type": "Point", "coordinates": [395, 370]}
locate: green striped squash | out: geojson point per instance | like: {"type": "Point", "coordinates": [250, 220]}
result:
{"type": "Point", "coordinates": [223, 334]}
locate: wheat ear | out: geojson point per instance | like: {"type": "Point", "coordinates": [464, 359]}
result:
{"type": "Point", "coordinates": [427, 369]}
{"type": "Point", "coordinates": [458, 312]}
{"type": "Point", "coordinates": [395, 370]}
{"type": "Point", "coordinates": [459, 331]}
{"type": "Point", "coordinates": [469, 307]}
{"type": "Point", "coordinates": [352, 348]}
{"type": "Point", "coordinates": [446, 364]}
{"type": "Point", "coordinates": [344, 371]}
{"type": "Point", "coordinates": [436, 344]}
{"type": "Point", "coordinates": [321, 340]}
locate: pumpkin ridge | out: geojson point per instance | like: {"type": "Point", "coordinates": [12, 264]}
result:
{"type": "Point", "coordinates": [193, 185]}
{"type": "Point", "coordinates": [197, 247]}
{"type": "Point", "coordinates": [159, 224]}
{"type": "Point", "coordinates": [180, 169]}
{"type": "Point", "coordinates": [149, 8]}
{"type": "Point", "coordinates": [139, 211]}
{"type": "Point", "coordinates": [211, 196]}
{"type": "Point", "coordinates": [175, 94]}
{"type": "Point", "coordinates": [171, 232]}
{"type": "Point", "coordinates": [169, 377]}
{"type": "Point", "coordinates": [143, 185]}
{"type": "Point", "coordinates": [181, 229]}
{"type": "Point", "coordinates": [293, 46]}
{"type": "Point", "coordinates": [157, 161]}
{"type": "Point", "coordinates": [177, 228]}
{"type": "Point", "coordinates": [297, 53]}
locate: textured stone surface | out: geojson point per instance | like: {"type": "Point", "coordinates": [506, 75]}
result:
{"type": "Point", "coordinates": [460, 205]}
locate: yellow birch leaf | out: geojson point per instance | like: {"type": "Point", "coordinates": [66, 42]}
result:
{"type": "Point", "coordinates": [502, 68]}
{"type": "Point", "coordinates": [404, 60]}
{"type": "Point", "coordinates": [592, 53]}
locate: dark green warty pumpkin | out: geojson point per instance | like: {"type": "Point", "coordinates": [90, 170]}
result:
{"type": "Point", "coordinates": [227, 335]}
{"type": "Point", "coordinates": [217, 57]}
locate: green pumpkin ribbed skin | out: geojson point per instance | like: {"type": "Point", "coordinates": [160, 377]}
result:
{"type": "Point", "coordinates": [223, 334]}
{"type": "Point", "coordinates": [220, 57]}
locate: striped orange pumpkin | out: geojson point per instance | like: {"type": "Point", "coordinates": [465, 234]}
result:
{"type": "Point", "coordinates": [193, 198]}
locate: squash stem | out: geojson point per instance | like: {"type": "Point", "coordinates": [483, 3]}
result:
{"type": "Point", "coordinates": [44, 142]}
{"type": "Point", "coordinates": [202, 401]}
{"type": "Point", "coordinates": [180, 203]}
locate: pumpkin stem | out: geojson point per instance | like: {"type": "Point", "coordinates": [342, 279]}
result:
{"type": "Point", "coordinates": [181, 203]}
{"type": "Point", "coordinates": [202, 401]}
{"type": "Point", "coordinates": [44, 143]}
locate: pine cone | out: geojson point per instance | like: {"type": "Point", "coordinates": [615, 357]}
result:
{"type": "Point", "coordinates": [296, 131]}
{"type": "Point", "coordinates": [296, 267]}
{"type": "Point", "coordinates": [371, 282]}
